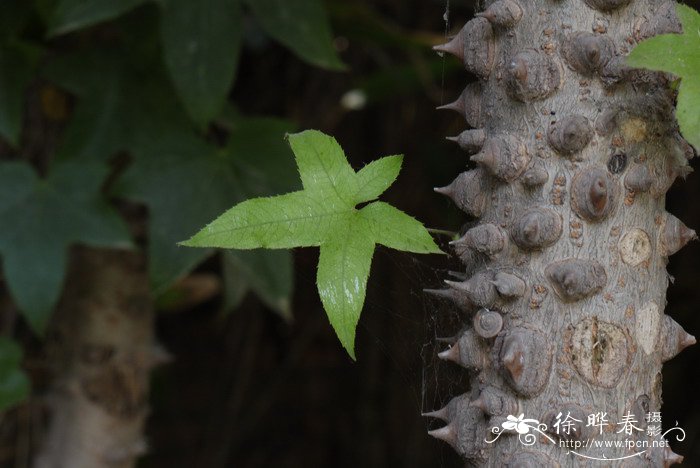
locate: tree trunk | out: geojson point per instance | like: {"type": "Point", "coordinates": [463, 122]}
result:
{"type": "Point", "coordinates": [566, 267]}
{"type": "Point", "coordinates": [101, 350]}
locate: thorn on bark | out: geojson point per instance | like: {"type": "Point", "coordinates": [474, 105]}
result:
{"type": "Point", "coordinates": [459, 298]}
{"type": "Point", "coordinates": [588, 53]}
{"type": "Point", "coordinates": [675, 235]}
{"type": "Point", "coordinates": [469, 351]}
{"type": "Point", "coordinates": [487, 239]}
{"type": "Point", "coordinates": [534, 177]}
{"type": "Point", "coordinates": [673, 339]}
{"type": "Point", "coordinates": [446, 434]}
{"type": "Point", "coordinates": [503, 13]}
{"type": "Point", "coordinates": [570, 134]}
{"type": "Point", "coordinates": [467, 191]}
{"type": "Point", "coordinates": [449, 411]}
{"type": "Point", "coordinates": [469, 105]}
{"type": "Point", "coordinates": [465, 433]}
{"type": "Point", "coordinates": [575, 279]}
{"type": "Point", "coordinates": [495, 402]}
{"type": "Point", "coordinates": [537, 228]}
{"type": "Point", "coordinates": [470, 141]}
{"type": "Point", "coordinates": [671, 458]}
{"type": "Point", "coordinates": [479, 289]}
{"type": "Point", "coordinates": [532, 75]}
{"type": "Point", "coordinates": [508, 285]}
{"type": "Point", "coordinates": [474, 46]}
{"type": "Point", "coordinates": [504, 156]}
{"type": "Point", "coordinates": [593, 193]}
{"type": "Point", "coordinates": [525, 358]}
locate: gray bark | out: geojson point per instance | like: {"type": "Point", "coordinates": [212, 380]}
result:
{"type": "Point", "coordinates": [101, 350]}
{"type": "Point", "coordinates": [575, 155]}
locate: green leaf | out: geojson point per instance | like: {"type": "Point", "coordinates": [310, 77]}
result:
{"type": "Point", "coordinates": [202, 42]}
{"type": "Point", "coordinates": [297, 219]}
{"type": "Point", "coordinates": [300, 25]}
{"type": "Point", "coordinates": [70, 15]}
{"type": "Point", "coordinates": [16, 72]}
{"type": "Point", "coordinates": [678, 54]}
{"type": "Point", "coordinates": [395, 229]}
{"type": "Point", "coordinates": [186, 182]}
{"type": "Point", "coordinates": [343, 270]}
{"type": "Point", "coordinates": [322, 165]}
{"type": "Point", "coordinates": [267, 272]}
{"type": "Point", "coordinates": [324, 214]}
{"type": "Point", "coordinates": [121, 104]}
{"type": "Point", "coordinates": [41, 219]}
{"type": "Point", "coordinates": [14, 384]}
{"type": "Point", "coordinates": [376, 177]}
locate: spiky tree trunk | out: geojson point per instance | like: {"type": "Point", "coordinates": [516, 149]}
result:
{"type": "Point", "coordinates": [566, 285]}
{"type": "Point", "coordinates": [101, 349]}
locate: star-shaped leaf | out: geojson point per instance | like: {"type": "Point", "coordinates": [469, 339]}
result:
{"type": "Point", "coordinates": [324, 214]}
{"type": "Point", "coordinates": [678, 54]}
{"type": "Point", "coordinates": [41, 218]}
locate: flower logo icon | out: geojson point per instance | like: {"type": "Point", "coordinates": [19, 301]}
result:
{"type": "Point", "coordinates": [519, 424]}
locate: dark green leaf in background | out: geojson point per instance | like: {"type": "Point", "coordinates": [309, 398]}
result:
{"type": "Point", "coordinates": [14, 384]}
{"type": "Point", "coordinates": [13, 16]}
{"type": "Point", "coordinates": [71, 15]}
{"type": "Point", "coordinates": [121, 105]}
{"type": "Point", "coordinates": [268, 273]}
{"type": "Point", "coordinates": [185, 182]}
{"type": "Point", "coordinates": [202, 41]}
{"type": "Point", "coordinates": [16, 72]}
{"type": "Point", "coordinates": [40, 220]}
{"type": "Point", "coordinates": [300, 25]}
{"type": "Point", "coordinates": [182, 180]}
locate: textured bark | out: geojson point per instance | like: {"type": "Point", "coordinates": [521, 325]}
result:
{"type": "Point", "coordinates": [101, 350]}
{"type": "Point", "coordinates": [576, 153]}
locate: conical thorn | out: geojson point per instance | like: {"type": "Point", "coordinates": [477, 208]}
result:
{"type": "Point", "coordinates": [442, 293]}
{"type": "Point", "coordinates": [447, 190]}
{"type": "Point", "coordinates": [450, 354]}
{"type": "Point", "coordinates": [446, 434]}
{"type": "Point", "coordinates": [688, 340]}
{"type": "Point", "coordinates": [454, 47]}
{"type": "Point", "coordinates": [457, 106]}
{"type": "Point", "coordinates": [438, 414]}
{"type": "Point", "coordinates": [671, 458]}
{"type": "Point", "coordinates": [455, 284]}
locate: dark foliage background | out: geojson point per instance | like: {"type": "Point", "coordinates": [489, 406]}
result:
{"type": "Point", "coordinates": [250, 389]}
